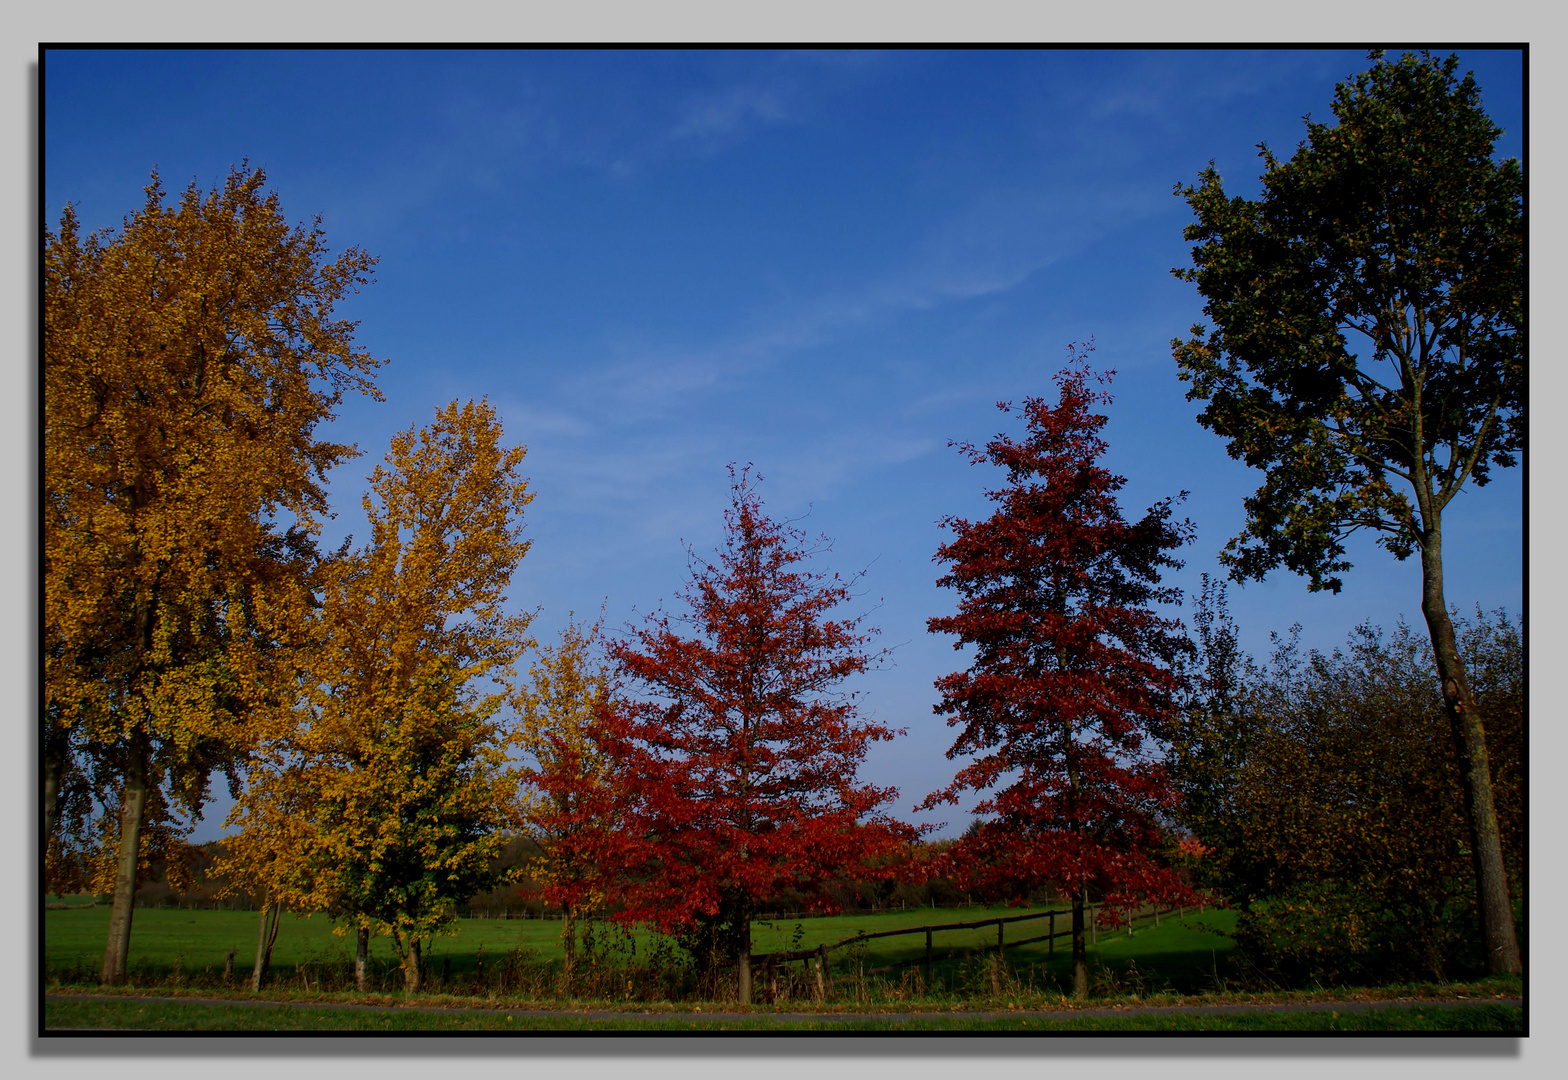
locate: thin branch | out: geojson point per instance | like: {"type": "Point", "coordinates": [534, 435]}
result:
{"type": "Point", "coordinates": [1451, 488]}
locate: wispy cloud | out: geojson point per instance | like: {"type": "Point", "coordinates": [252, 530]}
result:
{"type": "Point", "coordinates": [528, 422]}
{"type": "Point", "coordinates": [988, 248]}
{"type": "Point", "coordinates": [1161, 86]}
{"type": "Point", "coordinates": [1005, 235]}
{"type": "Point", "coordinates": [726, 112]}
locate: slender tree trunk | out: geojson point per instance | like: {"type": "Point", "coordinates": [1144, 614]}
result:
{"type": "Point", "coordinates": [133, 812]}
{"type": "Point", "coordinates": [257, 975]}
{"type": "Point", "coordinates": [568, 945]}
{"type": "Point", "coordinates": [1080, 954]}
{"type": "Point", "coordinates": [362, 960]}
{"type": "Point", "coordinates": [266, 937]}
{"type": "Point", "coordinates": [743, 958]}
{"type": "Point", "coordinates": [1080, 896]}
{"type": "Point", "coordinates": [1497, 919]}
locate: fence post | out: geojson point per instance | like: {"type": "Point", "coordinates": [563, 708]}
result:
{"type": "Point", "coordinates": [999, 937]}
{"type": "Point", "coordinates": [1050, 941]}
{"type": "Point", "coordinates": [928, 959]}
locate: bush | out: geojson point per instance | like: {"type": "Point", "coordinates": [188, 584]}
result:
{"type": "Point", "coordinates": [1334, 935]}
{"type": "Point", "coordinates": [1326, 790]}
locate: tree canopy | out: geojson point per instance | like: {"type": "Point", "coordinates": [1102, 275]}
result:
{"type": "Point", "coordinates": [1368, 346]}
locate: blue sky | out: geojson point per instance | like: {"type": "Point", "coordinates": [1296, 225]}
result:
{"type": "Point", "coordinates": [824, 264]}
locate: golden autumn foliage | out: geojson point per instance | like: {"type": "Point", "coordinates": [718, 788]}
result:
{"type": "Point", "coordinates": [188, 359]}
{"type": "Point", "coordinates": [570, 798]}
{"type": "Point", "coordinates": [393, 787]}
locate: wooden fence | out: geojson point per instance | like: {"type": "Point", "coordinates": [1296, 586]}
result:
{"type": "Point", "coordinates": [768, 961]}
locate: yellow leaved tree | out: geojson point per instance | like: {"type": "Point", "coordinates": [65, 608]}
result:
{"type": "Point", "coordinates": [271, 854]}
{"type": "Point", "coordinates": [395, 775]}
{"type": "Point", "coordinates": [188, 359]}
{"type": "Point", "coordinates": [568, 800]}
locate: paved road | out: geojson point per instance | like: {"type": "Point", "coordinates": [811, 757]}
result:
{"type": "Point", "coordinates": [690, 1014]}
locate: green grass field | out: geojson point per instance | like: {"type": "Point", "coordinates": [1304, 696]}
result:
{"type": "Point", "coordinates": [1183, 961]}
{"type": "Point", "coordinates": [169, 945]}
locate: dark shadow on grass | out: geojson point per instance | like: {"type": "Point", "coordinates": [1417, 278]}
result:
{"type": "Point", "coordinates": [856, 1046]}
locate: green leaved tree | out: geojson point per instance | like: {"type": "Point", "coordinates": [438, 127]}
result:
{"type": "Point", "coordinates": [1367, 351]}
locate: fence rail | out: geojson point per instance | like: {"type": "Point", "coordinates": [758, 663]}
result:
{"type": "Point", "coordinates": [820, 953]}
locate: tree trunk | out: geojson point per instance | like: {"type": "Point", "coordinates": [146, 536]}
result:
{"type": "Point", "coordinates": [132, 813]}
{"type": "Point", "coordinates": [1080, 896]}
{"type": "Point", "coordinates": [411, 963]}
{"type": "Point", "coordinates": [267, 934]}
{"type": "Point", "coordinates": [1080, 954]}
{"type": "Point", "coordinates": [743, 959]}
{"type": "Point", "coordinates": [54, 766]}
{"type": "Point", "coordinates": [257, 975]}
{"type": "Point", "coordinates": [362, 960]}
{"type": "Point", "coordinates": [1497, 918]}
{"type": "Point", "coordinates": [568, 945]}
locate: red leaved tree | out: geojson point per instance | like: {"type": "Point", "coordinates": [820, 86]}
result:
{"type": "Point", "coordinates": [1071, 684]}
{"type": "Point", "coordinates": [738, 769]}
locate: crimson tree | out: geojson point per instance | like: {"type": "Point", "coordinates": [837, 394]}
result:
{"type": "Point", "coordinates": [1071, 684]}
{"type": "Point", "coordinates": [738, 770]}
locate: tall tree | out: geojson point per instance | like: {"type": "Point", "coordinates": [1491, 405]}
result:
{"type": "Point", "coordinates": [1071, 685]}
{"type": "Point", "coordinates": [1368, 350]}
{"type": "Point", "coordinates": [187, 362]}
{"type": "Point", "coordinates": [398, 749]}
{"type": "Point", "coordinates": [739, 768]}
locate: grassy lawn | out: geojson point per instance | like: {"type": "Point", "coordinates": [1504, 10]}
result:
{"type": "Point", "coordinates": [1184, 953]}
{"type": "Point", "coordinates": [1180, 962]}
{"type": "Point", "coordinates": [124, 1015]}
